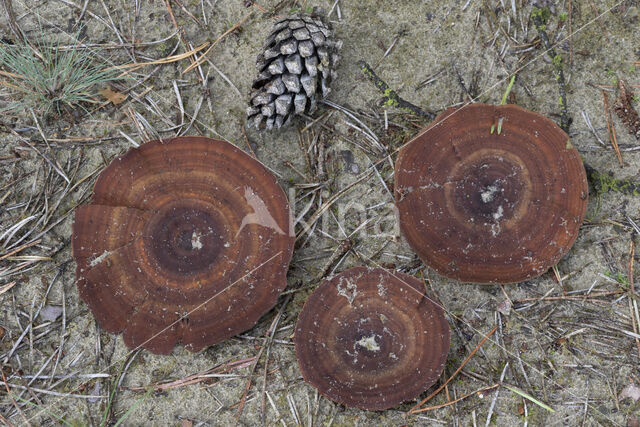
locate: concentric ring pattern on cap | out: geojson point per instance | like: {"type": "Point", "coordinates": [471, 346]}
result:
{"type": "Point", "coordinates": [371, 338]}
{"type": "Point", "coordinates": [186, 240]}
{"type": "Point", "coordinates": [490, 194]}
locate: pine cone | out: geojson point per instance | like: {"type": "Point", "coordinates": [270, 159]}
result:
{"type": "Point", "coordinates": [294, 70]}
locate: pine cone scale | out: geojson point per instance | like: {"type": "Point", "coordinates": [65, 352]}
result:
{"type": "Point", "coordinates": [283, 35]}
{"type": "Point", "coordinates": [289, 47]}
{"type": "Point", "coordinates": [308, 83]}
{"type": "Point", "coordinates": [292, 82]}
{"type": "Point", "coordinates": [311, 64]}
{"type": "Point", "coordinates": [302, 34]}
{"type": "Point", "coordinates": [306, 48]}
{"type": "Point", "coordinates": [300, 103]}
{"type": "Point", "coordinates": [276, 66]}
{"type": "Point", "coordinates": [276, 87]}
{"type": "Point", "coordinates": [295, 69]}
{"type": "Point", "coordinates": [294, 64]}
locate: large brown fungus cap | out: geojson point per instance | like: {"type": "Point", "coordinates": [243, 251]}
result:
{"type": "Point", "coordinates": [186, 240]}
{"type": "Point", "coordinates": [371, 338]}
{"type": "Point", "coordinates": [491, 194]}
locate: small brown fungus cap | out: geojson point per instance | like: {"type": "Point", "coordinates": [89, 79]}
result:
{"type": "Point", "coordinates": [490, 194]}
{"type": "Point", "coordinates": [371, 338]}
{"type": "Point", "coordinates": [186, 240]}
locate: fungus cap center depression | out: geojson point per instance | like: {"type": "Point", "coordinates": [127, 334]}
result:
{"type": "Point", "coordinates": [371, 338]}
{"type": "Point", "coordinates": [488, 207]}
{"type": "Point", "coordinates": [185, 237]}
{"type": "Point", "coordinates": [185, 240]}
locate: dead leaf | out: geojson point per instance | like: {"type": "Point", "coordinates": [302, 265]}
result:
{"type": "Point", "coordinates": [187, 423]}
{"type": "Point", "coordinates": [632, 391]}
{"type": "Point", "coordinates": [112, 96]}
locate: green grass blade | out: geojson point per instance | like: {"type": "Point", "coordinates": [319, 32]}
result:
{"type": "Point", "coordinates": [134, 406]}
{"type": "Point", "coordinates": [112, 395]}
{"type": "Point", "coordinates": [529, 397]}
{"type": "Point", "coordinates": [504, 97]}
{"type": "Point", "coordinates": [48, 77]}
{"type": "Point", "coordinates": [57, 417]}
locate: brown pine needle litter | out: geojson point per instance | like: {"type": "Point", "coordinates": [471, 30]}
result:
{"type": "Point", "coordinates": [203, 57]}
{"type": "Point", "coordinates": [204, 376]}
{"type": "Point", "coordinates": [169, 59]}
{"type": "Point", "coordinates": [416, 410]}
{"type": "Point", "coordinates": [610, 128]}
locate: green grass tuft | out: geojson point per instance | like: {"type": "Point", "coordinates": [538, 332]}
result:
{"type": "Point", "coordinates": [49, 79]}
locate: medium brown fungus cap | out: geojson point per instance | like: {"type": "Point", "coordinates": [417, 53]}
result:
{"type": "Point", "coordinates": [371, 338]}
{"type": "Point", "coordinates": [186, 240]}
{"type": "Point", "coordinates": [487, 207]}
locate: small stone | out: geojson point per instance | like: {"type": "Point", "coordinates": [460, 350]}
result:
{"type": "Point", "coordinates": [632, 391]}
{"type": "Point", "coordinates": [504, 307]}
{"type": "Point", "coordinates": [50, 312]}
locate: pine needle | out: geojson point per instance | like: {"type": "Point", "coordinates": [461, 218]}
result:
{"type": "Point", "coordinates": [528, 397]}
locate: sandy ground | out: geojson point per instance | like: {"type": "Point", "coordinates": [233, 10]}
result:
{"type": "Point", "coordinates": [568, 351]}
